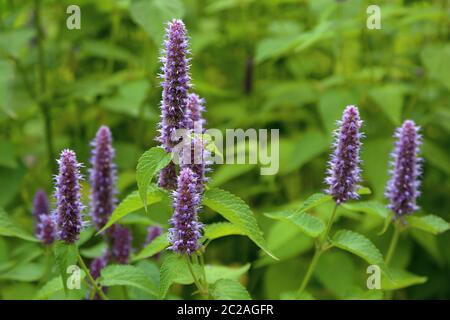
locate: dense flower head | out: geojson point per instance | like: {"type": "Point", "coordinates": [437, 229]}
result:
{"type": "Point", "coordinates": [175, 84]}
{"type": "Point", "coordinates": [95, 269]}
{"type": "Point", "coordinates": [168, 177]}
{"type": "Point", "coordinates": [344, 171]}
{"type": "Point", "coordinates": [152, 233]}
{"type": "Point", "coordinates": [102, 178]}
{"type": "Point", "coordinates": [196, 157]}
{"type": "Point", "coordinates": [121, 244]}
{"type": "Point", "coordinates": [194, 117]}
{"type": "Point", "coordinates": [186, 230]}
{"type": "Point", "coordinates": [67, 194]}
{"type": "Point", "coordinates": [403, 188]}
{"type": "Point", "coordinates": [46, 229]}
{"type": "Point", "coordinates": [41, 204]}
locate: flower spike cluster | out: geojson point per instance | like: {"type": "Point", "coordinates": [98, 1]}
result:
{"type": "Point", "coordinates": [40, 204]}
{"type": "Point", "coordinates": [403, 188]}
{"type": "Point", "coordinates": [67, 194]}
{"type": "Point", "coordinates": [121, 244]}
{"type": "Point", "coordinates": [344, 171]}
{"type": "Point", "coordinates": [186, 230]}
{"type": "Point", "coordinates": [195, 109]}
{"type": "Point", "coordinates": [102, 178]}
{"type": "Point", "coordinates": [45, 226]}
{"type": "Point", "coordinates": [176, 84]}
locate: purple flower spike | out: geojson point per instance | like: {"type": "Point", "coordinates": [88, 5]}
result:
{"type": "Point", "coordinates": [176, 84]}
{"type": "Point", "coordinates": [152, 233]}
{"type": "Point", "coordinates": [95, 269]}
{"type": "Point", "coordinates": [186, 230]}
{"type": "Point", "coordinates": [102, 178]}
{"type": "Point", "coordinates": [46, 229]}
{"type": "Point", "coordinates": [196, 158]}
{"type": "Point", "coordinates": [195, 108]}
{"type": "Point", "coordinates": [344, 172]}
{"type": "Point", "coordinates": [403, 188]}
{"type": "Point", "coordinates": [40, 204]}
{"type": "Point", "coordinates": [168, 177]}
{"type": "Point", "coordinates": [67, 194]}
{"type": "Point", "coordinates": [121, 244]}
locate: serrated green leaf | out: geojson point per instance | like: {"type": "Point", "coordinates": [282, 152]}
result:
{"type": "Point", "coordinates": [307, 223]}
{"type": "Point", "coordinates": [227, 289]}
{"type": "Point", "coordinates": [157, 245]}
{"type": "Point", "coordinates": [9, 229]}
{"type": "Point", "coordinates": [429, 223]}
{"type": "Point", "coordinates": [132, 203]}
{"type": "Point", "coordinates": [94, 251]}
{"type": "Point", "coordinates": [236, 211]}
{"type": "Point", "coordinates": [401, 279]}
{"type": "Point", "coordinates": [174, 269]}
{"type": "Point", "coordinates": [127, 275]}
{"type": "Point", "coordinates": [26, 272]}
{"type": "Point", "coordinates": [374, 208]}
{"type": "Point", "coordinates": [359, 245]}
{"type": "Point", "coordinates": [313, 201]}
{"type": "Point", "coordinates": [148, 165]}
{"type": "Point", "coordinates": [54, 286]}
{"type": "Point", "coordinates": [65, 256]}
{"type": "Point", "coordinates": [215, 273]}
{"type": "Point", "coordinates": [221, 229]}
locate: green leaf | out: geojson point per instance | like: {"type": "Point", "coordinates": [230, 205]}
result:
{"type": "Point", "coordinates": [27, 272]}
{"type": "Point", "coordinates": [236, 211]}
{"type": "Point", "coordinates": [94, 251]}
{"type": "Point", "coordinates": [358, 245]}
{"type": "Point", "coordinates": [149, 164]}
{"type": "Point", "coordinates": [307, 223]}
{"type": "Point", "coordinates": [132, 203]}
{"type": "Point", "coordinates": [152, 15]}
{"type": "Point", "coordinates": [9, 229]}
{"type": "Point", "coordinates": [314, 201]}
{"type": "Point", "coordinates": [157, 245]}
{"type": "Point", "coordinates": [227, 289]}
{"type": "Point", "coordinates": [373, 208]}
{"type": "Point", "coordinates": [54, 286]}
{"type": "Point", "coordinates": [127, 275]}
{"type": "Point", "coordinates": [215, 273]}
{"type": "Point", "coordinates": [390, 100]}
{"type": "Point", "coordinates": [429, 223]}
{"type": "Point", "coordinates": [221, 229]}
{"type": "Point", "coordinates": [400, 279]}
{"type": "Point", "coordinates": [174, 269]}
{"type": "Point", "coordinates": [65, 256]}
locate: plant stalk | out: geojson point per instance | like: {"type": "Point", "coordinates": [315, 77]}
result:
{"type": "Point", "coordinates": [393, 244]}
{"type": "Point", "coordinates": [91, 279]}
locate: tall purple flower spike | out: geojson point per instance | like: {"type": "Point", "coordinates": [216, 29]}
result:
{"type": "Point", "coordinates": [67, 194]}
{"type": "Point", "coordinates": [46, 229]}
{"type": "Point", "coordinates": [403, 188]}
{"type": "Point", "coordinates": [344, 171]}
{"type": "Point", "coordinates": [102, 178]}
{"type": "Point", "coordinates": [196, 158]}
{"type": "Point", "coordinates": [195, 109]}
{"type": "Point", "coordinates": [186, 230]}
{"type": "Point", "coordinates": [121, 244]}
{"type": "Point", "coordinates": [152, 233]}
{"type": "Point", "coordinates": [176, 84]}
{"type": "Point", "coordinates": [41, 204]}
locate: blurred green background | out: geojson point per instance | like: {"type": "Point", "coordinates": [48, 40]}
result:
{"type": "Point", "coordinates": [291, 65]}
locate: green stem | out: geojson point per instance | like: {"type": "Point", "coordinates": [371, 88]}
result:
{"type": "Point", "coordinates": [196, 281]}
{"type": "Point", "coordinates": [93, 282]}
{"type": "Point", "coordinates": [393, 244]}
{"type": "Point", "coordinates": [320, 248]}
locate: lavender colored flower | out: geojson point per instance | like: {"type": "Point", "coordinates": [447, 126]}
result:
{"type": "Point", "coordinates": [40, 204]}
{"type": "Point", "coordinates": [186, 230]}
{"type": "Point", "coordinates": [67, 194]}
{"type": "Point", "coordinates": [344, 172]}
{"type": "Point", "coordinates": [95, 269]}
{"type": "Point", "coordinates": [195, 156]}
{"type": "Point", "coordinates": [152, 233]}
{"type": "Point", "coordinates": [121, 244]}
{"type": "Point", "coordinates": [102, 178]}
{"type": "Point", "coordinates": [168, 177]}
{"type": "Point", "coordinates": [403, 188]}
{"type": "Point", "coordinates": [46, 229]}
{"type": "Point", "coordinates": [176, 83]}
{"type": "Point", "coordinates": [195, 108]}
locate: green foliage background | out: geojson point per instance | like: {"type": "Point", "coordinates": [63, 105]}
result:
{"type": "Point", "coordinates": [292, 65]}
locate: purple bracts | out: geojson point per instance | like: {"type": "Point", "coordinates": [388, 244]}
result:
{"type": "Point", "coordinates": [152, 233]}
{"type": "Point", "coordinates": [195, 108]}
{"type": "Point", "coordinates": [121, 244]}
{"type": "Point", "coordinates": [97, 265]}
{"type": "Point", "coordinates": [41, 207]}
{"type": "Point", "coordinates": [168, 177]}
{"type": "Point", "coordinates": [46, 229]}
{"type": "Point", "coordinates": [344, 172]}
{"type": "Point", "coordinates": [403, 188]}
{"type": "Point", "coordinates": [175, 75]}
{"type": "Point", "coordinates": [67, 194]}
{"type": "Point", "coordinates": [102, 178]}
{"type": "Point", "coordinates": [196, 158]}
{"type": "Point", "coordinates": [186, 230]}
